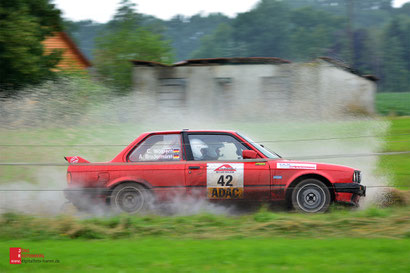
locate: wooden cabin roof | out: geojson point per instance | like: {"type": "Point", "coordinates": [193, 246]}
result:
{"type": "Point", "coordinates": [72, 57]}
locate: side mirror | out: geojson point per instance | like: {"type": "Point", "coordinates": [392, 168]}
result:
{"type": "Point", "coordinates": [249, 154]}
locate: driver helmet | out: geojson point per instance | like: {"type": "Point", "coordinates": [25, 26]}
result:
{"type": "Point", "coordinates": [213, 152]}
{"type": "Point", "coordinates": [198, 147]}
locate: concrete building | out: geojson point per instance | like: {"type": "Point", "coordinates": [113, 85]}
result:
{"type": "Point", "coordinates": [257, 86]}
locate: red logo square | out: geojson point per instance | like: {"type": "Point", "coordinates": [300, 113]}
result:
{"type": "Point", "coordinates": [15, 255]}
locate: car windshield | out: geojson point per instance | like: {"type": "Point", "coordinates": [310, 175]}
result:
{"type": "Point", "coordinates": [261, 149]}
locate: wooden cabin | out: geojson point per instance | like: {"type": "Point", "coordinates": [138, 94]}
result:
{"type": "Point", "coordinates": [72, 58]}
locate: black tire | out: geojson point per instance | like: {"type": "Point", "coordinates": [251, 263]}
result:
{"type": "Point", "coordinates": [310, 196]}
{"type": "Point", "coordinates": [130, 198]}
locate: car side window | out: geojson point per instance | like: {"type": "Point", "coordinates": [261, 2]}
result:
{"type": "Point", "coordinates": [215, 147]}
{"type": "Point", "coordinates": [165, 147]}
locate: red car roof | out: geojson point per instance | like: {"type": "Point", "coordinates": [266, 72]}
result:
{"type": "Point", "coordinates": [190, 131]}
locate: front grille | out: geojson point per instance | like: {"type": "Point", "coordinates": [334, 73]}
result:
{"type": "Point", "coordinates": [357, 176]}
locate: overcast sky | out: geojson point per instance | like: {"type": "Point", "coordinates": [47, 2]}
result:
{"type": "Point", "coordinates": [102, 10]}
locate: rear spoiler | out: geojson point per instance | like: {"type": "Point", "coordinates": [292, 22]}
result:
{"type": "Point", "coordinates": [75, 159]}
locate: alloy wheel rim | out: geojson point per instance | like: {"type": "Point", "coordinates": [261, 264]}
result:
{"type": "Point", "coordinates": [311, 198]}
{"type": "Point", "coordinates": [130, 199]}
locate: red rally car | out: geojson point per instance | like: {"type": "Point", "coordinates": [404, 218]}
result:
{"type": "Point", "coordinates": [215, 165]}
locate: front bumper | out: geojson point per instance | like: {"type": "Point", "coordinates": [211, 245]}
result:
{"type": "Point", "coordinates": [355, 188]}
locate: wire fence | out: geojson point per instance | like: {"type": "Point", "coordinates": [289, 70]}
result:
{"type": "Point", "coordinates": [330, 156]}
{"type": "Point", "coordinates": [45, 164]}
{"type": "Point", "coordinates": [260, 141]}
{"type": "Point", "coordinates": [170, 187]}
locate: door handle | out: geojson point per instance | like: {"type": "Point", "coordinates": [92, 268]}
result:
{"type": "Point", "coordinates": [194, 167]}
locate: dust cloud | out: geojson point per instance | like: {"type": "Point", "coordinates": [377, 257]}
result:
{"type": "Point", "coordinates": [43, 196]}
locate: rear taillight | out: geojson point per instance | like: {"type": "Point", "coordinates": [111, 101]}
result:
{"type": "Point", "coordinates": [68, 178]}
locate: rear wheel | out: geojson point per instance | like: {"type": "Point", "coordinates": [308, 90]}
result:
{"type": "Point", "coordinates": [311, 195]}
{"type": "Point", "coordinates": [130, 198]}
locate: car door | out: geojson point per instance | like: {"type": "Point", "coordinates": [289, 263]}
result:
{"type": "Point", "coordinates": [215, 168]}
{"type": "Point", "coordinates": [159, 160]}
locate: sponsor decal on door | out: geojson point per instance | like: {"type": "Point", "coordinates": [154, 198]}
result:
{"type": "Point", "coordinates": [225, 180]}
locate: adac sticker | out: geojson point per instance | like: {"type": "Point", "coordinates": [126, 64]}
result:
{"type": "Point", "coordinates": [306, 166]}
{"type": "Point", "coordinates": [225, 180]}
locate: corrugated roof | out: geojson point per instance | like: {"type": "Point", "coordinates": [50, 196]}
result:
{"type": "Point", "coordinates": [240, 60]}
{"type": "Point", "coordinates": [344, 66]}
{"type": "Point", "coordinates": [249, 60]}
{"type": "Point", "coordinates": [217, 61]}
{"type": "Point", "coordinates": [147, 63]}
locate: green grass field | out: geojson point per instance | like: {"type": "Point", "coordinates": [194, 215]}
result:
{"type": "Point", "coordinates": [152, 254]}
{"type": "Point", "coordinates": [397, 166]}
{"type": "Point", "coordinates": [393, 103]}
{"type": "Point", "coordinates": [397, 139]}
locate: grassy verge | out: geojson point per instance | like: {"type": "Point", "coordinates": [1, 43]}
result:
{"type": "Point", "coordinates": [393, 103]}
{"type": "Point", "coordinates": [374, 223]}
{"type": "Point", "coordinates": [234, 255]}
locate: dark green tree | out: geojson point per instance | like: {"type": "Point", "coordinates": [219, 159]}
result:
{"type": "Point", "coordinates": [124, 40]}
{"type": "Point", "coordinates": [405, 9]}
{"type": "Point", "coordinates": [24, 24]}
{"type": "Point", "coordinates": [265, 29]}
{"type": "Point", "coordinates": [395, 72]}
{"type": "Point", "coordinates": [186, 32]}
{"type": "Point", "coordinates": [405, 26]}
{"type": "Point", "coordinates": [220, 44]}
{"type": "Point", "coordinates": [84, 33]}
{"type": "Point", "coordinates": [313, 33]}
{"type": "Point", "coordinates": [365, 58]}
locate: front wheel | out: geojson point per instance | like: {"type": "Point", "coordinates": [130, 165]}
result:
{"type": "Point", "coordinates": [310, 196]}
{"type": "Point", "coordinates": [130, 198]}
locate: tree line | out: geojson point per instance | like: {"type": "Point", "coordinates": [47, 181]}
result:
{"type": "Point", "coordinates": [368, 35]}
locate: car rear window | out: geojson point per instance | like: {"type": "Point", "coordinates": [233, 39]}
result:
{"type": "Point", "coordinates": [165, 147]}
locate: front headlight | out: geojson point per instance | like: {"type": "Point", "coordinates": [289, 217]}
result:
{"type": "Point", "coordinates": [357, 176]}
